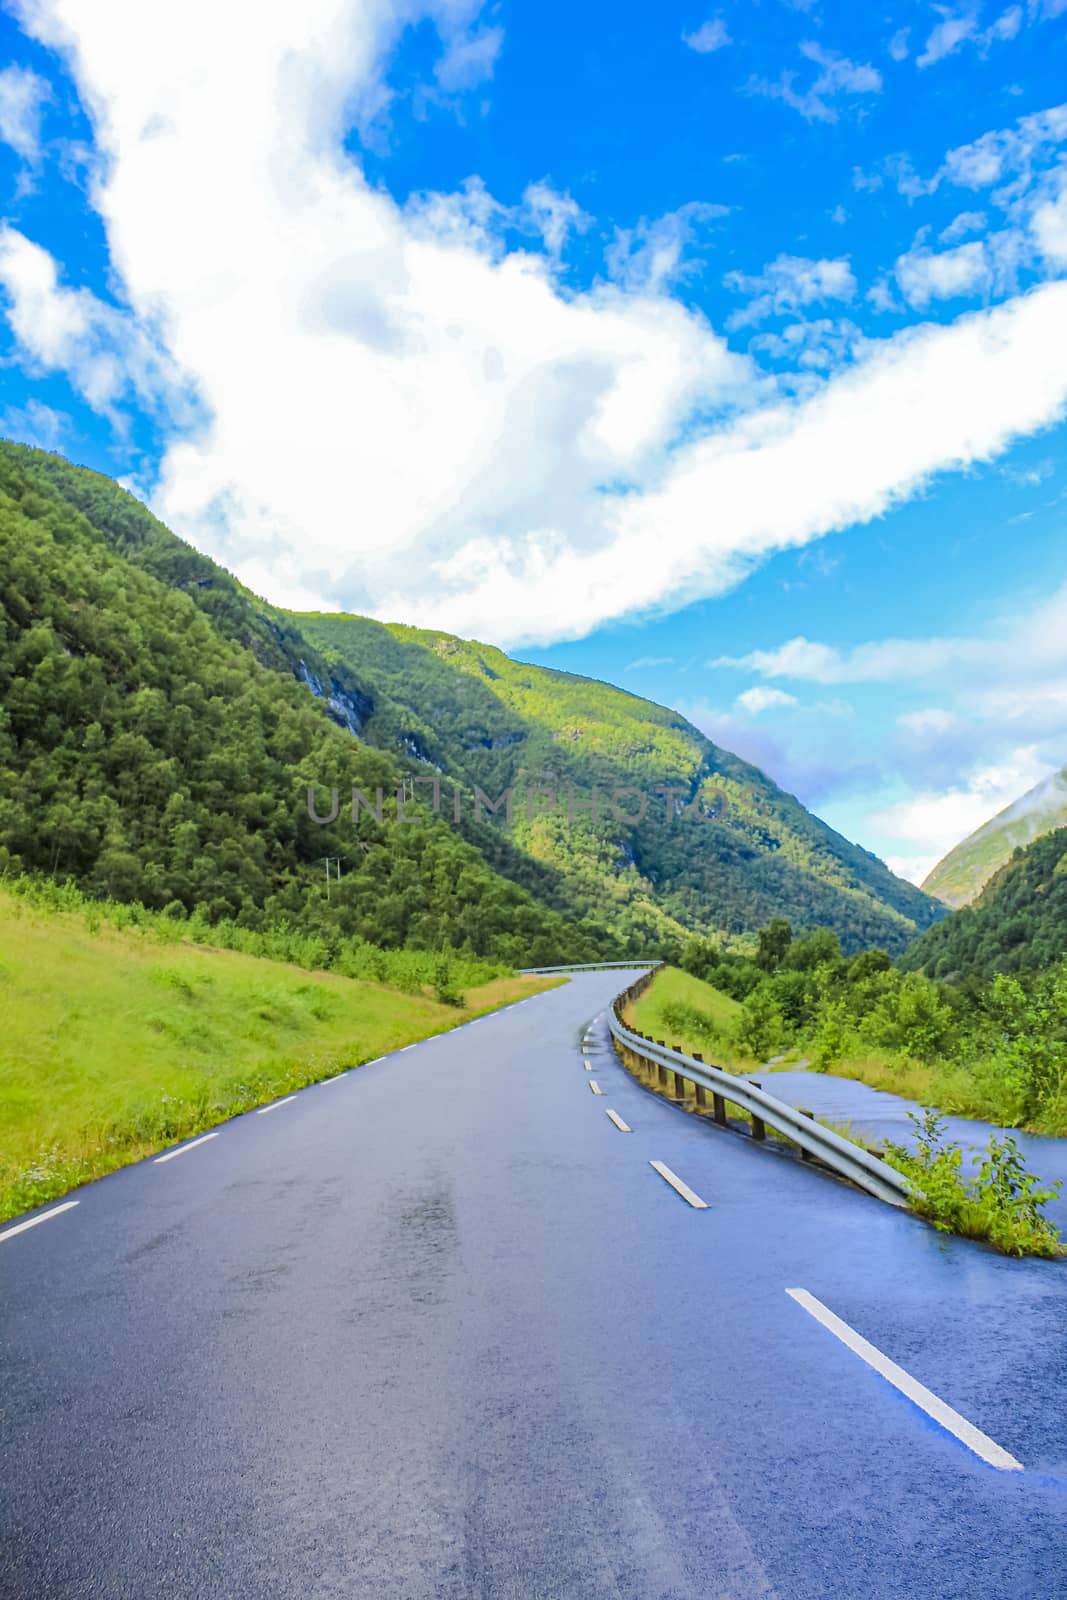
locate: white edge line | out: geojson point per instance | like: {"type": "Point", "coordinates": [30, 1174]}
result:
{"type": "Point", "coordinates": [617, 1120]}
{"type": "Point", "coordinates": [20, 1227]}
{"type": "Point", "coordinates": [262, 1112]}
{"type": "Point", "coordinates": [966, 1432]}
{"type": "Point", "coordinates": [595, 1087]}
{"type": "Point", "coordinates": [342, 1074]}
{"type": "Point", "coordinates": [588, 1066]}
{"type": "Point", "coordinates": [682, 1188]}
{"type": "Point", "coordinates": [182, 1148]}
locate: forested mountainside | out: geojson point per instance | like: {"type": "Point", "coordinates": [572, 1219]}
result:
{"type": "Point", "coordinates": [968, 867]}
{"type": "Point", "coordinates": [161, 727]}
{"type": "Point", "coordinates": [737, 850]}
{"type": "Point", "coordinates": [156, 745]}
{"type": "Point", "coordinates": [1018, 924]}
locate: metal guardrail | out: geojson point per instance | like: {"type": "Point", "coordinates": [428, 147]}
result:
{"type": "Point", "coordinates": [849, 1160]}
{"type": "Point", "coordinates": [592, 966]}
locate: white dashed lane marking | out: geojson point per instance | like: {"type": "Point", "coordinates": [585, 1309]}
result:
{"type": "Point", "coordinates": [45, 1216]}
{"type": "Point", "coordinates": [182, 1148]}
{"type": "Point", "coordinates": [262, 1112]}
{"type": "Point", "coordinates": [681, 1188]}
{"type": "Point", "coordinates": [981, 1444]}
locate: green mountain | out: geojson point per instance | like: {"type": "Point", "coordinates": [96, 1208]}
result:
{"type": "Point", "coordinates": [1017, 924]}
{"type": "Point", "coordinates": [725, 851]}
{"type": "Point", "coordinates": [161, 727]}
{"type": "Point", "coordinates": [157, 745]}
{"type": "Point", "coordinates": [968, 867]}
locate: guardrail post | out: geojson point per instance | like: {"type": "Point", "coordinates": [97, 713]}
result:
{"type": "Point", "coordinates": [806, 1155]}
{"type": "Point", "coordinates": [718, 1108]}
{"type": "Point", "coordinates": [700, 1094]}
{"type": "Point", "coordinates": [759, 1127]}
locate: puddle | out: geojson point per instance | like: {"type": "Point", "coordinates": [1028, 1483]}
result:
{"type": "Point", "coordinates": [876, 1115]}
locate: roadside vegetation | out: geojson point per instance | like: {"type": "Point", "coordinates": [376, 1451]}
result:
{"type": "Point", "coordinates": [690, 1015]}
{"type": "Point", "coordinates": [997, 1051]}
{"type": "Point", "coordinates": [121, 1035]}
{"type": "Point", "coordinates": [995, 1048]}
{"type": "Point", "coordinates": [1003, 1204]}
{"type": "Point", "coordinates": [447, 972]}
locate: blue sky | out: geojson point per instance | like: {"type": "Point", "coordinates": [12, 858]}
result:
{"type": "Point", "coordinates": [721, 353]}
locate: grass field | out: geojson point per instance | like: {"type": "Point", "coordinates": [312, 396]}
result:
{"type": "Point", "coordinates": [686, 1012]}
{"type": "Point", "coordinates": [112, 1046]}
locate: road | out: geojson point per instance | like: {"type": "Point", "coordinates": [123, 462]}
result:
{"type": "Point", "coordinates": [438, 1329]}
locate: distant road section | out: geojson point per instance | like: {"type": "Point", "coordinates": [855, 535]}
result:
{"type": "Point", "coordinates": [434, 1329]}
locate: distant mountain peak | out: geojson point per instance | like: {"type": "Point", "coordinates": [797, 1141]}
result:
{"type": "Point", "coordinates": [963, 873]}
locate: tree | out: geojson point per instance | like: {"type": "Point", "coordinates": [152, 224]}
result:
{"type": "Point", "coordinates": [774, 941]}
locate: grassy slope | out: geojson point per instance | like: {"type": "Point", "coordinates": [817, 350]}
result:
{"type": "Point", "coordinates": [113, 1047]}
{"type": "Point", "coordinates": [687, 1013]}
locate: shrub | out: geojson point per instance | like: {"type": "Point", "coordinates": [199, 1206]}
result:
{"type": "Point", "coordinates": [1003, 1204]}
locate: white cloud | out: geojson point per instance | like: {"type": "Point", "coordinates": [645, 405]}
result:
{"type": "Point", "coordinates": [710, 36]}
{"type": "Point", "coordinates": [838, 77]}
{"type": "Point", "coordinates": [881, 296]}
{"type": "Point", "coordinates": [1004, 27]}
{"type": "Point", "coordinates": [966, 222]}
{"type": "Point", "coordinates": [929, 823]}
{"type": "Point", "coordinates": [898, 44]}
{"type": "Point", "coordinates": [931, 720]}
{"type": "Point", "coordinates": [644, 663]}
{"type": "Point", "coordinates": [650, 257]}
{"type": "Point", "coordinates": [988, 266]}
{"type": "Point", "coordinates": [912, 868]}
{"type": "Point", "coordinates": [1049, 225]}
{"type": "Point", "coordinates": [997, 725]}
{"type": "Point", "coordinates": [761, 699]}
{"type": "Point", "coordinates": [23, 96]}
{"type": "Point", "coordinates": [947, 37]}
{"type": "Point", "coordinates": [789, 283]}
{"type": "Point", "coordinates": [553, 215]}
{"type": "Point", "coordinates": [36, 424]}
{"type": "Point", "coordinates": [103, 351]}
{"type": "Point", "coordinates": [1005, 152]}
{"type": "Point", "coordinates": [804, 751]}
{"type": "Point", "coordinates": [815, 346]}
{"type": "Point", "coordinates": [1019, 673]}
{"type": "Point", "coordinates": [959, 28]}
{"type": "Point", "coordinates": [400, 413]}
{"type": "Point", "coordinates": [925, 275]}
{"type": "Point", "coordinates": [469, 59]}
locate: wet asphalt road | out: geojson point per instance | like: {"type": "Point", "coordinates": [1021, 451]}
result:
{"type": "Point", "coordinates": [437, 1329]}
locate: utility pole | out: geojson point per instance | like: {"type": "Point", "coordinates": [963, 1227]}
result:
{"type": "Point", "coordinates": [328, 860]}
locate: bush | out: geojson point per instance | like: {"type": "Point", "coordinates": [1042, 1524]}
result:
{"type": "Point", "coordinates": [690, 1022]}
{"type": "Point", "coordinates": [761, 1029]}
{"type": "Point", "coordinates": [1003, 1204]}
